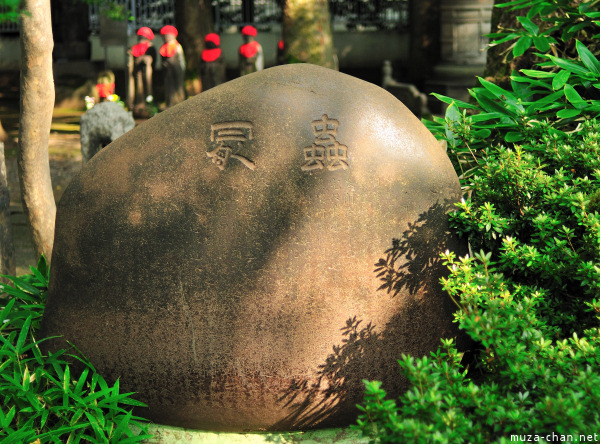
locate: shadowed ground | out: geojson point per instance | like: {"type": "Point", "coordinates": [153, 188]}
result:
{"type": "Point", "coordinates": [65, 162]}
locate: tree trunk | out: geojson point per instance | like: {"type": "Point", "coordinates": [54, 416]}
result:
{"type": "Point", "coordinates": [70, 29]}
{"type": "Point", "coordinates": [37, 103]}
{"type": "Point", "coordinates": [194, 20]}
{"type": "Point", "coordinates": [3, 134]}
{"type": "Point", "coordinates": [7, 247]}
{"type": "Point", "coordinates": [424, 42]}
{"type": "Point", "coordinates": [498, 68]}
{"type": "Point", "coordinates": [307, 33]}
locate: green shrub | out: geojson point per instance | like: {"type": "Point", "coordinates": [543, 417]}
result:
{"type": "Point", "coordinates": [549, 101]}
{"type": "Point", "coordinates": [529, 162]}
{"type": "Point", "coordinates": [40, 399]}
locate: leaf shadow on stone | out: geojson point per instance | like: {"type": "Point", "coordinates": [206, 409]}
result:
{"type": "Point", "coordinates": [405, 266]}
{"type": "Point", "coordinates": [411, 270]}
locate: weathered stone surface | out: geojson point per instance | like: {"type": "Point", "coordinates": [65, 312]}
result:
{"type": "Point", "coordinates": [99, 126]}
{"type": "Point", "coordinates": [241, 293]}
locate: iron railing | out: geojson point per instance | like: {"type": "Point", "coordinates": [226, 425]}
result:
{"type": "Point", "coordinates": [351, 14]}
{"type": "Point", "coordinates": [151, 13]}
{"type": "Point", "coordinates": [370, 14]}
{"type": "Point", "coordinates": [236, 13]}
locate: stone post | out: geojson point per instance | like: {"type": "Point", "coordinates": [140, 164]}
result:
{"type": "Point", "coordinates": [464, 24]}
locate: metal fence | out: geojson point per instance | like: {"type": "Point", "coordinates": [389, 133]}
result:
{"type": "Point", "coordinates": [235, 13]}
{"type": "Point", "coordinates": [151, 13]}
{"type": "Point", "coordinates": [370, 14]}
{"type": "Point", "coordinates": [352, 14]}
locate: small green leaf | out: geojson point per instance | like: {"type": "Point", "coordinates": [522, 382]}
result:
{"type": "Point", "coordinates": [531, 27]}
{"type": "Point", "coordinates": [522, 45]}
{"type": "Point", "coordinates": [504, 38]}
{"type": "Point", "coordinates": [492, 106]}
{"type": "Point", "coordinates": [513, 136]}
{"type": "Point", "coordinates": [42, 266]}
{"type": "Point", "coordinates": [541, 43]}
{"type": "Point", "coordinates": [568, 65]}
{"type": "Point", "coordinates": [575, 28]}
{"type": "Point", "coordinates": [549, 99]}
{"type": "Point", "coordinates": [537, 73]}
{"type": "Point", "coordinates": [484, 117]}
{"type": "Point", "coordinates": [122, 426]}
{"type": "Point", "coordinates": [42, 280]}
{"type": "Point", "coordinates": [483, 133]}
{"type": "Point", "coordinates": [568, 113]}
{"type": "Point", "coordinates": [81, 381]}
{"type": "Point", "coordinates": [495, 89]}
{"type": "Point", "coordinates": [23, 334]}
{"type": "Point", "coordinates": [20, 283]}
{"type": "Point", "coordinates": [588, 59]}
{"type": "Point", "coordinates": [453, 114]}
{"type": "Point", "coordinates": [573, 96]}
{"type": "Point", "coordinates": [560, 79]}
{"type": "Point", "coordinates": [450, 100]}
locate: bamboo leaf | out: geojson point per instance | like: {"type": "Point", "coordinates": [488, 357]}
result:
{"type": "Point", "coordinates": [541, 43]}
{"type": "Point", "coordinates": [568, 65]}
{"type": "Point", "coordinates": [560, 79]}
{"type": "Point", "coordinates": [495, 89]}
{"type": "Point", "coordinates": [538, 74]}
{"type": "Point", "coordinates": [513, 136]}
{"type": "Point", "coordinates": [23, 335]}
{"type": "Point", "coordinates": [529, 26]}
{"type": "Point", "coordinates": [568, 113]}
{"type": "Point", "coordinates": [573, 96]}
{"type": "Point", "coordinates": [522, 45]}
{"type": "Point", "coordinates": [588, 59]}
{"type": "Point", "coordinates": [450, 100]}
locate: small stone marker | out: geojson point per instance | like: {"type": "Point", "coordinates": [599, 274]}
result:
{"type": "Point", "coordinates": [100, 125]}
{"type": "Point", "coordinates": [245, 259]}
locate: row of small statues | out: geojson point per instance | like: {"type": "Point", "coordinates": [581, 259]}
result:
{"type": "Point", "coordinates": [142, 57]}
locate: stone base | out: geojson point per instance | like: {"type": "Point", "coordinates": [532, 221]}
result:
{"type": "Point", "coordinates": [452, 81]}
{"type": "Point", "coordinates": [175, 435]}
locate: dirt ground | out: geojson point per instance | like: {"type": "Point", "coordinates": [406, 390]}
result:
{"type": "Point", "coordinates": [65, 162]}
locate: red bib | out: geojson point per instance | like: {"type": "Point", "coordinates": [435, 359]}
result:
{"type": "Point", "coordinates": [105, 89]}
{"type": "Point", "coordinates": [169, 49]}
{"type": "Point", "coordinates": [210, 55]}
{"type": "Point", "coordinates": [249, 50]}
{"type": "Point", "coordinates": [140, 49]}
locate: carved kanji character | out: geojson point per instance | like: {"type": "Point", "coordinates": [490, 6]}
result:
{"type": "Point", "coordinates": [314, 157]}
{"type": "Point", "coordinates": [230, 138]}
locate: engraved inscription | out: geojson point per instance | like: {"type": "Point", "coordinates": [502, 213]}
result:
{"type": "Point", "coordinates": [325, 151]}
{"type": "Point", "coordinates": [228, 140]}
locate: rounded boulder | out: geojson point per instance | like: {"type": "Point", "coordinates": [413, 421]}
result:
{"type": "Point", "coordinates": [243, 260]}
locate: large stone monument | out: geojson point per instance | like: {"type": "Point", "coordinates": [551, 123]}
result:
{"type": "Point", "coordinates": [244, 259]}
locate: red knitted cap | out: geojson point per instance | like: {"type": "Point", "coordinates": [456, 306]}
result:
{"type": "Point", "coordinates": [144, 31]}
{"type": "Point", "coordinates": [249, 30]}
{"type": "Point", "coordinates": [212, 37]}
{"type": "Point", "coordinates": [169, 29]}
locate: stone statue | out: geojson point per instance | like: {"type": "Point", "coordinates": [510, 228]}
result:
{"type": "Point", "coordinates": [280, 56]}
{"type": "Point", "coordinates": [407, 93]}
{"type": "Point", "coordinates": [251, 57]}
{"type": "Point", "coordinates": [105, 86]}
{"type": "Point", "coordinates": [140, 65]}
{"type": "Point", "coordinates": [212, 62]}
{"type": "Point", "coordinates": [102, 124]}
{"type": "Point", "coordinates": [174, 65]}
